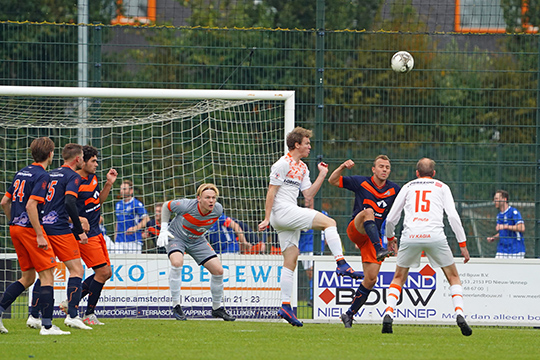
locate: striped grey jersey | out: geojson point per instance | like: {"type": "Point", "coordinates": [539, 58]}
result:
{"type": "Point", "coordinates": [189, 223]}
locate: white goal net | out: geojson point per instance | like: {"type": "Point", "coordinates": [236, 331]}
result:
{"type": "Point", "coordinates": [167, 142]}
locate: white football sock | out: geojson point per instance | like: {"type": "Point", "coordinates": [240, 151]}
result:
{"type": "Point", "coordinates": [175, 283]}
{"type": "Point", "coordinates": [216, 288]}
{"type": "Point", "coordinates": [334, 242]}
{"type": "Point", "coordinates": [286, 285]}
{"type": "Point", "coordinates": [457, 298]}
{"type": "Point", "coordinates": [392, 299]}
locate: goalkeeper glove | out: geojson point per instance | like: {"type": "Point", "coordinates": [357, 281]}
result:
{"type": "Point", "coordinates": [164, 235]}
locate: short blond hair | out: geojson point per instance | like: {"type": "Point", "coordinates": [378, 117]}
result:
{"type": "Point", "coordinates": [207, 186]}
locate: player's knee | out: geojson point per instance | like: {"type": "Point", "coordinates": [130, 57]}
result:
{"type": "Point", "coordinates": [367, 214]}
{"type": "Point", "coordinates": [218, 271]}
{"type": "Point", "coordinates": [329, 222]}
{"type": "Point", "coordinates": [103, 273]}
{"type": "Point", "coordinates": [28, 278]}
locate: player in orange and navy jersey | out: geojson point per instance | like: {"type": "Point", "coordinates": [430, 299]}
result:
{"type": "Point", "coordinates": [94, 253]}
{"type": "Point", "coordinates": [373, 198]}
{"type": "Point", "coordinates": [60, 206]}
{"type": "Point", "coordinates": [22, 204]}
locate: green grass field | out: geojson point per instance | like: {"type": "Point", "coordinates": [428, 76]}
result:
{"type": "Point", "coordinates": [209, 339]}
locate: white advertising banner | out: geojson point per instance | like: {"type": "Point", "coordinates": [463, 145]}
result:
{"type": "Point", "coordinates": [139, 287]}
{"type": "Point", "coordinates": [504, 292]}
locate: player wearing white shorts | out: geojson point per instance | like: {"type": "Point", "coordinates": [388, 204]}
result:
{"type": "Point", "coordinates": [186, 234]}
{"type": "Point", "coordinates": [288, 176]}
{"type": "Point", "coordinates": [424, 201]}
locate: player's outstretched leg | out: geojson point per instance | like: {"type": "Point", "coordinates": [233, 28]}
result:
{"type": "Point", "coordinates": [387, 324]}
{"type": "Point", "coordinates": [287, 313]}
{"type": "Point", "coordinates": [465, 328]}
{"type": "Point", "coordinates": [344, 269]}
{"type": "Point", "coordinates": [222, 314]}
{"type": "Point", "coordinates": [334, 244]}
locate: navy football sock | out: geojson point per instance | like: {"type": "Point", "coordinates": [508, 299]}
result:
{"type": "Point", "coordinates": [74, 295]}
{"type": "Point", "coordinates": [12, 292]}
{"type": "Point", "coordinates": [371, 230]}
{"type": "Point", "coordinates": [46, 304]}
{"type": "Point", "coordinates": [360, 298]}
{"type": "Point", "coordinates": [34, 310]}
{"type": "Point", "coordinates": [93, 296]}
{"type": "Point", "coordinates": [86, 285]}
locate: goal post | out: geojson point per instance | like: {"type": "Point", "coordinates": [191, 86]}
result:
{"type": "Point", "coordinates": [167, 142]}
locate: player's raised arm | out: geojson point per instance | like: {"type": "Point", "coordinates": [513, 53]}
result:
{"type": "Point", "coordinates": [111, 178]}
{"type": "Point", "coordinates": [336, 174]}
{"type": "Point", "coordinates": [310, 193]}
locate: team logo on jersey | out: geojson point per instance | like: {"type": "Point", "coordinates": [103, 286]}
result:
{"type": "Point", "coordinates": [382, 204]}
{"type": "Point", "coordinates": [44, 185]}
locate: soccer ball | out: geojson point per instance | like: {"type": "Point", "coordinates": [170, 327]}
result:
{"type": "Point", "coordinates": [402, 62]}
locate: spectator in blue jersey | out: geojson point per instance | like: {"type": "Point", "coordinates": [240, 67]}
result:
{"type": "Point", "coordinates": [373, 198]}
{"type": "Point", "coordinates": [226, 236]}
{"type": "Point", "coordinates": [510, 227]}
{"type": "Point", "coordinates": [131, 218]}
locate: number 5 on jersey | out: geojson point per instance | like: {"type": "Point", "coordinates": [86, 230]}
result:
{"type": "Point", "coordinates": [50, 193]}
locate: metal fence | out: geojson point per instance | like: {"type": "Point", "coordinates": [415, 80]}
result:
{"type": "Point", "coordinates": [471, 108]}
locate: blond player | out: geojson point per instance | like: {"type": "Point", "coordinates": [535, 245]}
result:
{"type": "Point", "coordinates": [185, 234]}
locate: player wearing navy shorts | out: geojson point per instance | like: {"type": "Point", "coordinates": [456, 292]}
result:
{"type": "Point", "coordinates": [22, 204]}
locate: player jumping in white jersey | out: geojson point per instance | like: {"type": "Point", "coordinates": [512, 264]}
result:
{"type": "Point", "coordinates": [288, 176]}
{"type": "Point", "coordinates": [186, 234]}
{"type": "Point", "coordinates": [424, 201]}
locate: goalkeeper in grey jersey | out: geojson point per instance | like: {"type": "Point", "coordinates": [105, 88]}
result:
{"type": "Point", "coordinates": [186, 234]}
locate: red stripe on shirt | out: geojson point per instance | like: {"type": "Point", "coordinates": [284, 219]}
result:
{"type": "Point", "coordinates": [377, 194]}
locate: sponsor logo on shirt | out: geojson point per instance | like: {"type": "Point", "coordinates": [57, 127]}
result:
{"type": "Point", "coordinates": [50, 218]}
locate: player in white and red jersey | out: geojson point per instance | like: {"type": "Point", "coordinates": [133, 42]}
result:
{"type": "Point", "coordinates": [424, 201]}
{"type": "Point", "coordinates": [184, 234]}
{"type": "Point", "coordinates": [288, 176]}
